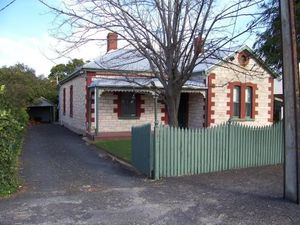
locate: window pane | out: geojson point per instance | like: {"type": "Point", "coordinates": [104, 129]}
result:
{"type": "Point", "coordinates": [236, 94]}
{"type": "Point", "coordinates": [248, 102]}
{"type": "Point", "coordinates": [237, 101]}
{"type": "Point", "coordinates": [128, 105]}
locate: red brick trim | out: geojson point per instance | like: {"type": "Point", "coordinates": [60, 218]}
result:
{"type": "Point", "coordinates": [229, 112]}
{"type": "Point", "coordinates": [139, 102]}
{"type": "Point", "coordinates": [165, 117]}
{"type": "Point", "coordinates": [71, 101]}
{"type": "Point", "coordinates": [92, 105]}
{"type": "Point", "coordinates": [64, 101]}
{"type": "Point", "coordinates": [210, 102]}
{"type": "Point", "coordinates": [254, 112]}
{"type": "Point", "coordinates": [271, 99]}
{"type": "Point", "coordinates": [113, 135]}
{"type": "Point", "coordinates": [88, 81]}
{"type": "Point", "coordinates": [118, 103]}
{"type": "Point", "coordinates": [243, 86]}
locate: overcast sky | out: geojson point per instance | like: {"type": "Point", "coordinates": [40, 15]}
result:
{"type": "Point", "coordinates": [25, 37]}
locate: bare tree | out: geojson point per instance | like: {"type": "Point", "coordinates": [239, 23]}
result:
{"type": "Point", "coordinates": [173, 35]}
{"type": "Point", "coordinates": [6, 5]}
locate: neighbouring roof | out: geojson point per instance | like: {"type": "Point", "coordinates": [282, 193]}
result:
{"type": "Point", "coordinates": [142, 83]}
{"type": "Point", "coordinates": [42, 102]}
{"type": "Point", "coordinates": [129, 60]}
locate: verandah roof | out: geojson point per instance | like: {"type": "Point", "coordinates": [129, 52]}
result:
{"type": "Point", "coordinates": [146, 84]}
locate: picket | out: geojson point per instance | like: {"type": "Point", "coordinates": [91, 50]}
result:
{"type": "Point", "coordinates": [227, 146]}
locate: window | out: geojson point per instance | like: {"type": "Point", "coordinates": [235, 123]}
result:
{"type": "Point", "coordinates": [242, 100]}
{"type": "Point", "coordinates": [128, 105]}
{"type": "Point", "coordinates": [248, 101]}
{"type": "Point", "coordinates": [71, 101]}
{"type": "Point", "coordinates": [237, 101]}
{"type": "Point", "coordinates": [64, 101]}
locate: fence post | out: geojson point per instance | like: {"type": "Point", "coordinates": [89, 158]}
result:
{"type": "Point", "coordinates": [155, 174]}
{"type": "Point", "coordinates": [228, 142]}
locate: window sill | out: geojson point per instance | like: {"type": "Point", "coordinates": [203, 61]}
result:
{"type": "Point", "coordinates": [128, 117]}
{"type": "Point", "coordinates": [235, 119]}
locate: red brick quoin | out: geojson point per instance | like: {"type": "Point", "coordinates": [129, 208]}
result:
{"type": "Point", "coordinates": [89, 77]}
{"type": "Point", "coordinates": [271, 99]}
{"type": "Point", "coordinates": [139, 102]}
{"type": "Point", "coordinates": [117, 103]}
{"type": "Point", "coordinates": [210, 102]}
{"type": "Point", "coordinates": [165, 118]}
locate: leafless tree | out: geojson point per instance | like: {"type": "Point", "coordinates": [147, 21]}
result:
{"type": "Point", "coordinates": [173, 35]}
{"type": "Point", "coordinates": [6, 5]}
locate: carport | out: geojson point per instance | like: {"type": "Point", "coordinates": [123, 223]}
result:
{"type": "Point", "coordinates": [42, 111]}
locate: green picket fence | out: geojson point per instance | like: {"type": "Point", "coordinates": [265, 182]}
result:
{"type": "Point", "coordinates": [176, 152]}
{"type": "Point", "coordinates": [180, 152]}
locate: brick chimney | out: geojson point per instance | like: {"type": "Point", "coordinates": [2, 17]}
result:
{"type": "Point", "coordinates": [198, 45]}
{"type": "Point", "coordinates": [112, 41]}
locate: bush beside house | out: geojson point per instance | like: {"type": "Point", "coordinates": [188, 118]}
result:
{"type": "Point", "coordinates": [12, 124]}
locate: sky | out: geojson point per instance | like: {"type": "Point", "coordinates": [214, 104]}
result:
{"type": "Point", "coordinates": [25, 37]}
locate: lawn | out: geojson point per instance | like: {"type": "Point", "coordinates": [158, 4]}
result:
{"type": "Point", "coordinates": [118, 148]}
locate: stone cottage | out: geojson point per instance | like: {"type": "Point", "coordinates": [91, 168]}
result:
{"type": "Point", "coordinates": [104, 98]}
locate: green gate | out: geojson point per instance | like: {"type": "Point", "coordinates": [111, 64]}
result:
{"type": "Point", "coordinates": [142, 151]}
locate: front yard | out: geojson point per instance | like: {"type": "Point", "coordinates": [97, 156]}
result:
{"type": "Point", "coordinates": [118, 148]}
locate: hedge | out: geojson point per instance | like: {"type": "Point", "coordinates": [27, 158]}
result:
{"type": "Point", "coordinates": [12, 126]}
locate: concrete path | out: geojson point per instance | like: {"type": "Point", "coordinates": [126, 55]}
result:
{"type": "Point", "coordinates": [65, 182]}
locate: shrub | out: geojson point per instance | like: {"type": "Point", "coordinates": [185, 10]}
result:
{"type": "Point", "coordinates": [12, 123]}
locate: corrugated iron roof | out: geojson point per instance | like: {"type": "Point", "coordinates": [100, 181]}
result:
{"type": "Point", "coordinates": [148, 83]}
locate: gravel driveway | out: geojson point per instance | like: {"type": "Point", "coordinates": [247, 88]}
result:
{"type": "Point", "coordinates": [65, 182]}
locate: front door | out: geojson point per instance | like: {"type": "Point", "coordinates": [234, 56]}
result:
{"type": "Point", "coordinates": [183, 110]}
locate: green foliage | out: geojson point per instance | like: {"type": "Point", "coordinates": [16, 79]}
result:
{"type": "Point", "coordinates": [23, 87]}
{"type": "Point", "coordinates": [19, 87]}
{"type": "Point", "coordinates": [61, 71]}
{"type": "Point", "coordinates": [12, 124]}
{"type": "Point", "coordinates": [119, 148]}
{"type": "Point", "coordinates": [268, 44]}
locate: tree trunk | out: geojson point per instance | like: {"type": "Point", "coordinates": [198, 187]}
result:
{"type": "Point", "coordinates": [172, 103]}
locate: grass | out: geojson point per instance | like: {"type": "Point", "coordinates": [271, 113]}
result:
{"type": "Point", "coordinates": [118, 148]}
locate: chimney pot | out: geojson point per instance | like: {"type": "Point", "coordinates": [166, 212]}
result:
{"type": "Point", "coordinates": [198, 45]}
{"type": "Point", "coordinates": [112, 41]}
